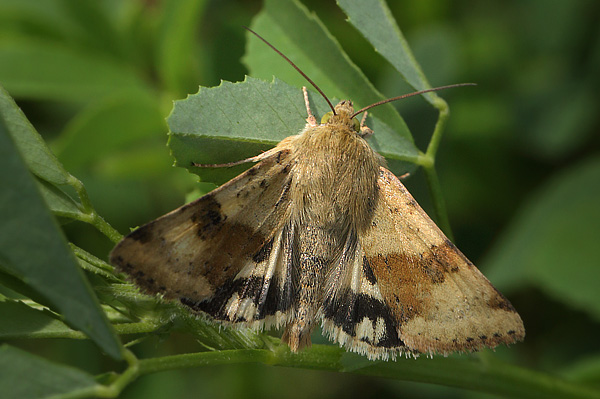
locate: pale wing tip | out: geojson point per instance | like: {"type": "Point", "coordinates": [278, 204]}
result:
{"type": "Point", "coordinates": [505, 330]}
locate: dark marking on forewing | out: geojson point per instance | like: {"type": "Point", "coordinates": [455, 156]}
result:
{"type": "Point", "coordinates": [143, 235]}
{"type": "Point", "coordinates": [499, 301]}
{"type": "Point", "coordinates": [253, 170]}
{"type": "Point", "coordinates": [264, 252]}
{"type": "Point", "coordinates": [285, 194]}
{"type": "Point", "coordinates": [130, 269]}
{"type": "Point", "coordinates": [348, 309]}
{"type": "Point", "coordinates": [368, 272]}
{"type": "Point", "coordinates": [265, 294]}
{"type": "Point", "coordinates": [207, 215]}
{"type": "Point", "coordinates": [372, 201]}
{"type": "Point", "coordinates": [282, 155]}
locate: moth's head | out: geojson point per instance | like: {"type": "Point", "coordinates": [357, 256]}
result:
{"type": "Point", "coordinates": [343, 116]}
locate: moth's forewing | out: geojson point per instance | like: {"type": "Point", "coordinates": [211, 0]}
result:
{"type": "Point", "coordinates": [440, 300]}
{"type": "Point", "coordinates": [194, 253]}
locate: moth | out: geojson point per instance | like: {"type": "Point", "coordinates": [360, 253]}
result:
{"type": "Point", "coordinates": [318, 231]}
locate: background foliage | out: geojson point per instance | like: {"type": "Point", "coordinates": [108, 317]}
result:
{"type": "Point", "coordinates": [519, 168]}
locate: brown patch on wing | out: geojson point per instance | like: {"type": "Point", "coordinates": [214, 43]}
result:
{"type": "Point", "coordinates": [194, 249]}
{"type": "Point", "coordinates": [442, 302]}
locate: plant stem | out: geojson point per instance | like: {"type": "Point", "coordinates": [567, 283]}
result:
{"type": "Point", "coordinates": [436, 137]}
{"type": "Point", "coordinates": [427, 161]}
{"type": "Point", "coordinates": [123, 328]}
{"type": "Point", "coordinates": [492, 377]}
{"type": "Point", "coordinates": [439, 204]}
{"type": "Point", "coordinates": [89, 214]}
{"type": "Point", "coordinates": [205, 359]}
{"type": "Point", "coordinates": [472, 373]}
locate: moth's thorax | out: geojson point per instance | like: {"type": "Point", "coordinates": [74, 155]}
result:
{"type": "Point", "coordinates": [334, 182]}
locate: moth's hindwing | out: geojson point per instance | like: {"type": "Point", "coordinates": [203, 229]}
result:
{"type": "Point", "coordinates": [225, 253]}
{"type": "Point", "coordinates": [439, 300]}
{"type": "Point", "coordinates": [354, 312]}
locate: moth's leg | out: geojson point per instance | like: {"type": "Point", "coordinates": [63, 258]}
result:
{"type": "Point", "coordinates": [226, 165]}
{"type": "Point", "coordinates": [311, 120]}
{"type": "Point", "coordinates": [365, 131]}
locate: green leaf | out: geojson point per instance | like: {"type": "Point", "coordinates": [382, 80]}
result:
{"type": "Point", "coordinates": [25, 376]}
{"type": "Point", "coordinates": [375, 22]}
{"type": "Point", "coordinates": [92, 264]}
{"type": "Point", "coordinates": [95, 27]}
{"type": "Point", "coordinates": [553, 241]}
{"type": "Point", "coordinates": [585, 371]}
{"type": "Point", "coordinates": [15, 288]}
{"type": "Point", "coordinates": [567, 124]}
{"type": "Point", "coordinates": [317, 53]}
{"type": "Point", "coordinates": [50, 71]}
{"type": "Point", "coordinates": [38, 156]}
{"type": "Point", "coordinates": [22, 321]}
{"type": "Point", "coordinates": [59, 202]}
{"type": "Point", "coordinates": [250, 117]}
{"type": "Point", "coordinates": [108, 126]}
{"type": "Point", "coordinates": [48, 17]}
{"type": "Point", "coordinates": [176, 44]}
{"type": "Point", "coordinates": [39, 159]}
{"type": "Point", "coordinates": [33, 249]}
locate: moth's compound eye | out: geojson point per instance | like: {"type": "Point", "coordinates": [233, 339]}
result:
{"type": "Point", "coordinates": [356, 124]}
{"type": "Point", "coordinates": [326, 117]}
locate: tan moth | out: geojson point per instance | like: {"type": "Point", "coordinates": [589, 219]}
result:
{"type": "Point", "coordinates": [320, 232]}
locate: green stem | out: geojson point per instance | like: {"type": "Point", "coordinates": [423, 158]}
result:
{"type": "Point", "coordinates": [438, 131]}
{"type": "Point", "coordinates": [89, 214]}
{"type": "Point", "coordinates": [131, 374]}
{"type": "Point", "coordinates": [491, 377]}
{"type": "Point", "coordinates": [136, 328]}
{"type": "Point", "coordinates": [427, 161]}
{"type": "Point", "coordinates": [105, 228]}
{"type": "Point", "coordinates": [472, 373]}
{"type": "Point", "coordinates": [108, 391]}
{"type": "Point", "coordinates": [416, 159]}
{"type": "Point", "coordinates": [123, 328]}
{"type": "Point", "coordinates": [205, 359]}
{"type": "Point", "coordinates": [439, 205]}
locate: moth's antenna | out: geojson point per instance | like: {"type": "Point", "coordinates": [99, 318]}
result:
{"type": "Point", "coordinates": [294, 65]}
{"type": "Point", "coordinates": [416, 93]}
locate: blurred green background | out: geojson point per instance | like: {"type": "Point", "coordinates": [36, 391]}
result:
{"type": "Point", "coordinates": [519, 164]}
